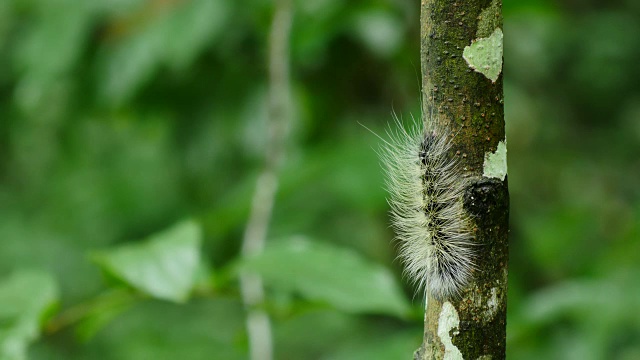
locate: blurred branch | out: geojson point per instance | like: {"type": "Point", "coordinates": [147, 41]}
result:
{"type": "Point", "coordinates": [258, 323]}
{"type": "Point", "coordinates": [115, 298]}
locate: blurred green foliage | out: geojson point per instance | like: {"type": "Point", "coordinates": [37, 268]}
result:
{"type": "Point", "coordinates": [121, 118]}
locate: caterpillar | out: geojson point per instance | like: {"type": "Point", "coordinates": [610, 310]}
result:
{"type": "Point", "coordinates": [426, 188]}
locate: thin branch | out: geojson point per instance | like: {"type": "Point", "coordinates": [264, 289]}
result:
{"type": "Point", "coordinates": [258, 323]}
{"type": "Point", "coordinates": [109, 300]}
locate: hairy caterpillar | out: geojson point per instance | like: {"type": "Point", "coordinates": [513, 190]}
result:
{"type": "Point", "coordinates": [426, 187]}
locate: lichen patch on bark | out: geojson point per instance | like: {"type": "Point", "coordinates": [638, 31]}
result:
{"type": "Point", "coordinates": [448, 321]}
{"type": "Point", "coordinates": [495, 164]}
{"type": "Point", "coordinates": [484, 55]}
{"type": "Point", "coordinates": [492, 305]}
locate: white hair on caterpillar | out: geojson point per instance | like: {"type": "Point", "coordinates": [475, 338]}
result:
{"type": "Point", "coordinates": [426, 188]}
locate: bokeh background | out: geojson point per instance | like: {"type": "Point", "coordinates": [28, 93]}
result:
{"type": "Point", "coordinates": [132, 133]}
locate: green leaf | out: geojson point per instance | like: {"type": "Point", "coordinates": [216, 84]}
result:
{"type": "Point", "coordinates": [484, 55]}
{"type": "Point", "coordinates": [203, 329]}
{"type": "Point", "coordinates": [164, 266]}
{"type": "Point", "coordinates": [57, 32]}
{"type": "Point", "coordinates": [399, 346]}
{"type": "Point", "coordinates": [173, 35]}
{"type": "Point", "coordinates": [105, 309]}
{"type": "Point", "coordinates": [323, 272]}
{"type": "Point", "coordinates": [192, 28]}
{"type": "Point", "coordinates": [25, 298]}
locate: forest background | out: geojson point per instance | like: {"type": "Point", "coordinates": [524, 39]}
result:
{"type": "Point", "coordinates": [132, 133]}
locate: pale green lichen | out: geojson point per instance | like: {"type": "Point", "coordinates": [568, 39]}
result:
{"type": "Point", "coordinates": [492, 305]}
{"type": "Point", "coordinates": [489, 19]}
{"type": "Point", "coordinates": [495, 164]}
{"type": "Point", "coordinates": [448, 321]}
{"type": "Point", "coordinates": [484, 55]}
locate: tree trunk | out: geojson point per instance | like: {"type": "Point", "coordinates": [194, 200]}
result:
{"type": "Point", "coordinates": [461, 58]}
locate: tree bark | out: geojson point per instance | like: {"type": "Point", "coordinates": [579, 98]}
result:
{"type": "Point", "coordinates": [470, 104]}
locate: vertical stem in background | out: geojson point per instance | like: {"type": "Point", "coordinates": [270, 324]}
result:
{"type": "Point", "coordinates": [470, 104]}
{"type": "Point", "coordinates": [279, 117]}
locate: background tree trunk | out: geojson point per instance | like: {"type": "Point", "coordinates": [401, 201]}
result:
{"type": "Point", "coordinates": [470, 104]}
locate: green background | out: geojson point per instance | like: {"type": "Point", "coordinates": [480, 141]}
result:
{"type": "Point", "coordinates": [132, 133]}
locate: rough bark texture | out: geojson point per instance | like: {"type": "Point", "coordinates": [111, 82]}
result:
{"type": "Point", "coordinates": [472, 326]}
